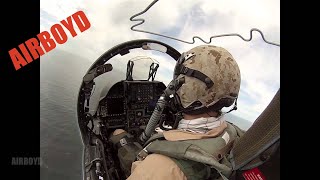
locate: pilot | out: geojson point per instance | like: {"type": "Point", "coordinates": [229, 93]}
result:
{"type": "Point", "coordinates": [211, 79]}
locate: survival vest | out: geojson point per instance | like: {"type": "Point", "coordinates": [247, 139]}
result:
{"type": "Point", "coordinates": [198, 159]}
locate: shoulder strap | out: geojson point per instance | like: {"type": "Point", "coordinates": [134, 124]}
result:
{"type": "Point", "coordinates": [158, 136]}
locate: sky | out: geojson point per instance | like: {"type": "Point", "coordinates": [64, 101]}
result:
{"type": "Point", "coordinates": [259, 62]}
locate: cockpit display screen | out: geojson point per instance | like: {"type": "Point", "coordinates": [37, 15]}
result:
{"type": "Point", "coordinates": [115, 106]}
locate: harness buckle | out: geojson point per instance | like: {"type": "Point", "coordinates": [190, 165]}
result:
{"type": "Point", "coordinates": [143, 153]}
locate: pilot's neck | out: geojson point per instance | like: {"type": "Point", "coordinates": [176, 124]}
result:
{"type": "Point", "coordinates": [205, 115]}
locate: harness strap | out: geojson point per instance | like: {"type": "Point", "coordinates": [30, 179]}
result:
{"type": "Point", "coordinates": [223, 151]}
{"type": "Point", "coordinates": [158, 136]}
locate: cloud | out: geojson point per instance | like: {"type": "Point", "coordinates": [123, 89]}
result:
{"type": "Point", "coordinates": [110, 25]}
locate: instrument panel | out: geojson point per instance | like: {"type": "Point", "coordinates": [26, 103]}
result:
{"type": "Point", "coordinates": [129, 104]}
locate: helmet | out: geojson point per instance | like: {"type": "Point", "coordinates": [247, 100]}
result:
{"type": "Point", "coordinates": [211, 79]}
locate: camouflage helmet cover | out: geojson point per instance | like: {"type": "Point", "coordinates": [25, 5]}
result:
{"type": "Point", "coordinates": [219, 65]}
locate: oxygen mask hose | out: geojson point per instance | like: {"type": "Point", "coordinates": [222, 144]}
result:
{"type": "Point", "coordinates": [154, 119]}
{"type": "Point", "coordinates": [162, 101]}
